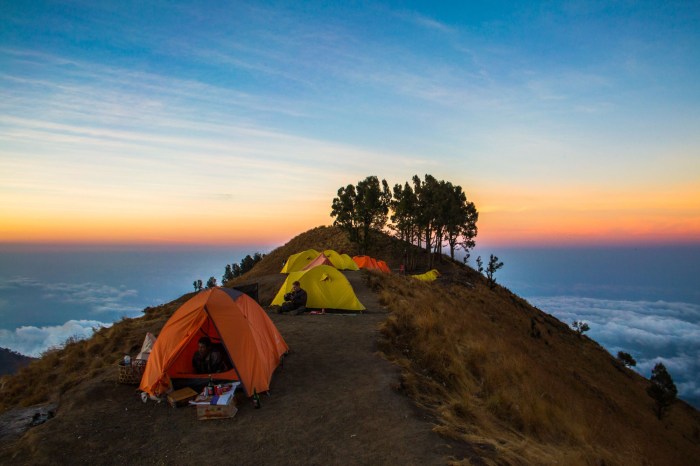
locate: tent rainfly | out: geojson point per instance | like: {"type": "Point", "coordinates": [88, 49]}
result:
{"type": "Point", "coordinates": [320, 260]}
{"type": "Point", "coordinates": [234, 322]}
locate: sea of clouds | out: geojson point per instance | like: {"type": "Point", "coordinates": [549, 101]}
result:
{"type": "Point", "coordinates": [32, 341]}
{"type": "Point", "coordinates": [651, 331]}
{"type": "Point", "coordinates": [69, 305]}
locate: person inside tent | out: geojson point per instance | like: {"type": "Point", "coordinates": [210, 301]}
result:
{"type": "Point", "coordinates": [294, 301]}
{"type": "Point", "coordinates": [207, 360]}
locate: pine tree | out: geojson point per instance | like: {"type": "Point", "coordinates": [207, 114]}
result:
{"type": "Point", "coordinates": [662, 390]}
{"type": "Point", "coordinates": [228, 274]}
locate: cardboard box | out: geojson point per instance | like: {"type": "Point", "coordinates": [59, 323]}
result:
{"type": "Point", "coordinates": [219, 407]}
{"type": "Point", "coordinates": [181, 397]}
{"type": "Point", "coordinates": [216, 411]}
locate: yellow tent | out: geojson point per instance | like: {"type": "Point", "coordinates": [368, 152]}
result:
{"type": "Point", "coordinates": [428, 276]}
{"type": "Point", "coordinates": [298, 261]}
{"type": "Point", "coordinates": [326, 288]}
{"type": "Point", "coordinates": [340, 262]}
{"type": "Point", "coordinates": [348, 263]}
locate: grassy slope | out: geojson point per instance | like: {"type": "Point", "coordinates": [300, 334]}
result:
{"type": "Point", "coordinates": [521, 384]}
{"type": "Point", "coordinates": [469, 353]}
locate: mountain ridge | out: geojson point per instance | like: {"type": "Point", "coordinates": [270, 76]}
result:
{"type": "Point", "coordinates": [500, 381]}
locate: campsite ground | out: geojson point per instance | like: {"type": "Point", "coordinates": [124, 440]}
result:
{"type": "Point", "coordinates": [333, 402]}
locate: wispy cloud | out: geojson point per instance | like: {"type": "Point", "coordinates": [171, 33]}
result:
{"type": "Point", "coordinates": [153, 135]}
{"type": "Point", "coordinates": [424, 21]}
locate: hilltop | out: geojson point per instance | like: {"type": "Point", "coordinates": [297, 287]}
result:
{"type": "Point", "coordinates": [448, 371]}
{"type": "Point", "coordinates": [11, 361]}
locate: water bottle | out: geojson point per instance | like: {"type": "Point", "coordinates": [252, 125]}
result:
{"type": "Point", "coordinates": [210, 387]}
{"type": "Point", "coordinates": [127, 360]}
{"type": "Point", "coordinates": [256, 400]}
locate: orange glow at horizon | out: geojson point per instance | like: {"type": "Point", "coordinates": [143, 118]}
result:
{"type": "Point", "coordinates": [568, 217]}
{"type": "Point", "coordinates": [203, 228]}
{"type": "Point", "coordinates": [587, 216]}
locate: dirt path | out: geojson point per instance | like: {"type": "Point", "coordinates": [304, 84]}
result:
{"type": "Point", "coordinates": [331, 403]}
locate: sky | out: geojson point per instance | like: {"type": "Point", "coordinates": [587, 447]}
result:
{"type": "Point", "coordinates": [573, 122]}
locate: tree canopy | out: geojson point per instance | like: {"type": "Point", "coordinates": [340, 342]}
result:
{"type": "Point", "coordinates": [662, 389]}
{"type": "Point", "coordinates": [232, 271]}
{"type": "Point", "coordinates": [429, 213]}
{"type": "Point", "coordinates": [362, 208]}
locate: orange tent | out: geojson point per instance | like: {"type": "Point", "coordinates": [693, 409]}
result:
{"type": "Point", "coordinates": [230, 318]}
{"type": "Point", "coordinates": [383, 266]}
{"type": "Point", "coordinates": [367, 262]}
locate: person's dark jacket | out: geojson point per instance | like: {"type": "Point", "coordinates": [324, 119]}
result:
{"type": "Point", "coordinates": [209, 364]}
{"type": "Point", "coordinates": [297, 298]}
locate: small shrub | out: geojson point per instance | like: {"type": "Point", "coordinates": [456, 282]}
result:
{"type": "Point", "coordinates": [492, 268]}
{"type": "Point", "coordinates": [626, 359]}
{"type": "Point", "coordinates": [580, 327]}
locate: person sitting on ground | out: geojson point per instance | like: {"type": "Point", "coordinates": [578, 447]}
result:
{"type": "Point", "coordinates": [294, 301]}
{"type": "Point", "coordinates": [207, 360]}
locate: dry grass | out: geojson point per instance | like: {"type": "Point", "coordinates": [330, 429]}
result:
{"type": "Point", "coordinates": [520, 396]}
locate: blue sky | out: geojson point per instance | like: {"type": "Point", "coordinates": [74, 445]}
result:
{"type": "Point", "coordinates": [563, 121]}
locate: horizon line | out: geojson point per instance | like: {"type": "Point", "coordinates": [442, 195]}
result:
{"type": "Point", "coordinates": [39, 246]}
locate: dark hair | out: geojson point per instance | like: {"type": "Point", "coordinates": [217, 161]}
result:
{"type": "Point", "coordinates": [296, 283]}
{"type": "Point", "coordinates": [205, 341]}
